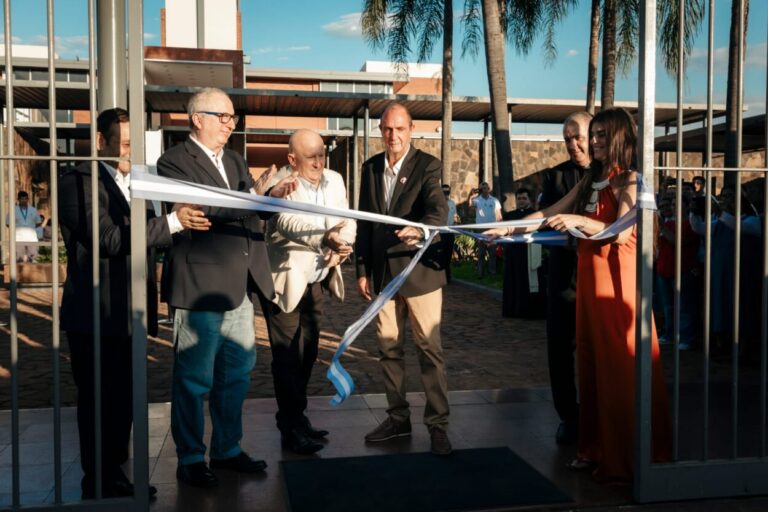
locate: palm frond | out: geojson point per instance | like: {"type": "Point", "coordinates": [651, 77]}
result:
{"type": "Point", "coordinates": [627, 34]}
{"type": "Point", "coordinates": [554, 12]}
{"type": "Point", "coordinates": [471, 20]}
{"type": "Point", "coordinates": [669, 23]}
{"type": "Point", "coordinates": [402, 26]}
{"type": "Point", "coordinates": [430, 26]}
{"type": "Point", "coordinates": [374, 22]}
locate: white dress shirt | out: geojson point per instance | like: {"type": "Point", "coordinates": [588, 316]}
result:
{"type": "Point", "coordinates": [216, 159]}
{"type": "Point", "coordinates": [123, 182]}
{"type": "Point", "coordinates": [390, 175]}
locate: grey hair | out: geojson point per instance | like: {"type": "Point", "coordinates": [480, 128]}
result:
{"type": "Point", "coordinates": [579, 117]}
{"type": "Point", "coordinates": [200, 96]}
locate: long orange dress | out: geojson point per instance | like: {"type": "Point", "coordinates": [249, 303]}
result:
{"type": "Point", "coordinates": [605, 352]}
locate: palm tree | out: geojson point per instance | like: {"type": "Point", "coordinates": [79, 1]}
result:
{"type": "Point", "coordinates": [519, 22]}
{"type": "Point", "coordinates": [732, 111]}
{"type": "Point", "coordinates": [594, 41]}
{"type": "Point", "coordinates": [608, 75]}
{"type": "Point", "coordinates": [393, 24]}
{"type": "Point", "coordinates": [620, 36]}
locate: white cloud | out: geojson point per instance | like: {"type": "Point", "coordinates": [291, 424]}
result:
{"type": "Point", "coordinates": [571, 53]}
{"type": "Point", "coordinates": [288, 49]}
{"type": "Point", "coordinates": [14, 39]}
{"type": "Point", "coordinates": [149, 35]}
{"type": "Point", "coordinates": [348, 25]}
{"type": "Point", "coordinates": [67, 47]}
{"type": "Point", "coordinates": [755, 58]}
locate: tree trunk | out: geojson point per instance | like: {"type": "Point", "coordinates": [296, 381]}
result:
{"type": "Point", "coordinates": [594, 41]}
{"type": "Point", "coordinates": [497, 83]}
{"type": "Point", "coordinates": [732, 113]}
{"type": "Point", "coordinates": [445, 152]}
{"type": "Point", "coordinates": [608, 82]}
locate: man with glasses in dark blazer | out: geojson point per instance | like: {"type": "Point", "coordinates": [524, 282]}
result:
{"type": "Point", "coordinates": [212, 276]}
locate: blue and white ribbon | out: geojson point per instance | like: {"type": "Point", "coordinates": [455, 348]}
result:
{"type": "Point", "coordinates": [147, 185]}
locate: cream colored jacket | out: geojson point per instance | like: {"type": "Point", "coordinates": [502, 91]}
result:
{"type": "Point", "coordinates": [294, 242]}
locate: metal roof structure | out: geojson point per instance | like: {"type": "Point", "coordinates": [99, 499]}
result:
{"type": "Point", "coordinates": [292, 103]}
{"type": "Point", "coordinates": [753, 137]}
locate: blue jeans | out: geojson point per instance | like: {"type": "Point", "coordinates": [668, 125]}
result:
{"type": "Point", "coordinates": [214, 353]}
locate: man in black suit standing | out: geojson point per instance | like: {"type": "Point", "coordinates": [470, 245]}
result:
{"type": "Point", "coordinates": [405, 182]}
{"type": "Point", "coordinates": [114, 297]}
{"type": "Point", "coordinates": [561, 298]}
{"type": "Point", "coordinates": [212, 276]}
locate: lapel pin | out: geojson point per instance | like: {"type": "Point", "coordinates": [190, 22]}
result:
{"type": "Point", "coordinates": [403, 180]}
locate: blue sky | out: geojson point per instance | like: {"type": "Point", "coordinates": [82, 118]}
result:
{"type": "Point", "coordinates": [325, 35]}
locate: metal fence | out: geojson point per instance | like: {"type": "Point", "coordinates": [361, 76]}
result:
{"type": "Point", "coordinates": [731, 458]}
{"type": "Point", "coordinates": [110, 10]}
{"type": "Point", "coordinates": [703, 475]}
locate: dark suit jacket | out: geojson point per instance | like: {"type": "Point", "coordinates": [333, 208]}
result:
{"type": "Point", "coordinates": [211, 270]}
{"type": "Point", "coordinates": [417, 197]}
{"type": "Point", "coordinates": [558, 181]}
{"type": "Point", "coordinates": [114, 251]}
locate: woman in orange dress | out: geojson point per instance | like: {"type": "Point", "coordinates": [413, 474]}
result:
{"type": "Point", "coordinates": [605, 306]}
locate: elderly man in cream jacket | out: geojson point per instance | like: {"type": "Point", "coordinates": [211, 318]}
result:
{"type": "Point", "coordinates": [305, 252]}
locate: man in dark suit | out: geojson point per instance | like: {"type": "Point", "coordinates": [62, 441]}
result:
{"type": "Point", "coordinates": [561, 305]}
{"type": "Point", "coordinates": [405, 182]}
{"type": "Point", "coordinates": [114, 297]}
{"type": "Point", "coordinates": [211, 278]}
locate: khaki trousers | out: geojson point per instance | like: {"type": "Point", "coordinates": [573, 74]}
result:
{"type": "Point", "coordinates": [424, 313]}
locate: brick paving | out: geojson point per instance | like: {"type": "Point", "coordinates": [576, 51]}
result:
{"type": "Point", "coordinates": [482, 349]}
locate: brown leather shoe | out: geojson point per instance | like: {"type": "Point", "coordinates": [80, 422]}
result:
{"type": "Point", "coordinates": [389, 429]}
{"type": "Point", "coordinates": [441, 445]}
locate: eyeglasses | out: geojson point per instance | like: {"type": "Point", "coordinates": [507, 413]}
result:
{"type": "Point", "coordinates": [224, 117]}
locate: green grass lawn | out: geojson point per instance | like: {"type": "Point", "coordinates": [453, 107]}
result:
{"type": "Point", "coordinates": [467, 271]}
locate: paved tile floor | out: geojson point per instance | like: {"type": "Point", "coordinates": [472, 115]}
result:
{"type": "Point", "coordinates": [523, 420]}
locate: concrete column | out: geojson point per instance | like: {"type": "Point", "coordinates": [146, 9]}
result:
{"type": "Point", "coordinates": [111, 54]}
{"type": "Point", "coordinates": [355, 164]}
{"type": "Point", "coordinates": [366, 133]}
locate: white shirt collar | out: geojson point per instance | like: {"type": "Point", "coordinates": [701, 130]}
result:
{"type": "Point", "coordinates": [396, 167]}
{"type": "Point", "coordinates": [208, 151]}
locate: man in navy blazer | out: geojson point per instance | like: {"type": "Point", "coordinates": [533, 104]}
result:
{"type": "Point", "coordinates": [114, 213]}
{"type": "Point", "coordinates": [212, 276]}
{"type": "Point", "coordinates": [405, 182]}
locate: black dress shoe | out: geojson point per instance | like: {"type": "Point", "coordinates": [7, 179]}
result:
{"type": "Point", "coordinates": [298, 441]}
{"type": "Point", "coordinates": [197, 475]}
{"type": "Point", "coordinates": [240, 462]}
{"type": "Point", "coordinates": [567, 433]}
{"type": "Point", "coordinates": [117, 486]}
{"type": "Point", "coordinates": [312, 432]}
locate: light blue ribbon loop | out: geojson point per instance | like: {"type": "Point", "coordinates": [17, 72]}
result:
{"type": "Point", "coordinates": [149, 186]}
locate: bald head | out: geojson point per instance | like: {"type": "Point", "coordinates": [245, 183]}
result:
{"type": "Point", "coordinates": [576, 137]}
{"type": "Point", "coordinates": [306, 155]}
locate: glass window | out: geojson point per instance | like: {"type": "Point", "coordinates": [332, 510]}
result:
{"type": "Point", "coordinates": [40, 74]}
{"type": "Point", "coordinates": [329, 86]}
{"type": "Point", "coordinates": [21, 74]}
{"type": "Point", "coordinates": [362, 87]}
{"type": "Point", "coordinates": [78, 76]}
{"type": "Point", "coordinates": [345, 123]}
{"type": "Point", "coordinates": [379, 88]}
{"type": "Point", "coordinates": [62, 76]}
{"type": "Point", "coordinates": [346, 87]}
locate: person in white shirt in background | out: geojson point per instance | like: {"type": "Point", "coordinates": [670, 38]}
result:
{"type": "Point", "coordinates": [28, 219]}
{"type": "Point", "coordinates": [487, 209]}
